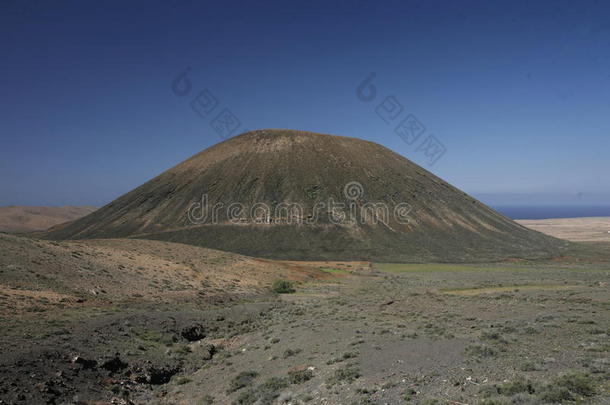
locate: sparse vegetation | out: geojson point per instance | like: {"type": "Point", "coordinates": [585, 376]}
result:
{"type": "Point", "coordinates": [290, 353]}
{"type": "Point", "coordinates": [282, 287]}
{"type": "Point", "coordinates": [344, 356]}
{"type": "Point", "coordinates": [568, 387]}
{"type": "Point", "coordinates": [183, 380]}
{"type": "Point", "coordinates": [263, 394]}
{"type": "Point", "coordinates": [206, 400]}
{"type": "Point", "coordinates": [243, 348]}
{"type": "Point", "coordinates": [575, 383]}
{"type": "Point", "coordinates": [299, 376]}
{"type": "Point", "coordinates": [494, 337]}
{"type": "Point", "coordinates": [347, 374]}
{"type": "Point", "coordinates": [481, 351]}
{"type": "Point", "coordinates": [242, 380]}
{"type": "Point", "coordinates": [517, 386]}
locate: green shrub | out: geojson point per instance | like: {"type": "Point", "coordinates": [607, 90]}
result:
{"type": "Point", "coordinates": [495, 401]}
{"type": "Point", "coordinates": [247, 397]}
{"type": "Point", "coordinates": [580, 384]}
{"type": "Point", "coordinates": [552, 394]}
{"type": "Point", "coordinates": [290, 353]}
{"type": "Point", "coordinates": [270, 389]}
{"type": "Point", "coordinates": [264, 393]}
{"type": "Point", "coordinates": [493, 337]}
{"type": "Point", "coordinates": [242, 380]}
{"type": "Point", "coordinates": [207, 400]}
{"type": "Point", "coordinates": [347, 374]}
{"type": "Point", "coordinates": [569, 387]}
{"type": "Point", "coordinates": [529, 366]}
{"type": "Point", "coordinates": [282, 287]}
{"type": "Point", "coordinates": [183, 380]}
{"type": "Point", "coordinates": [481, 351]}
{"type": "Point", "coordinates": [517, 386]}
{"type": "Point", "coordinates": [299, 376]}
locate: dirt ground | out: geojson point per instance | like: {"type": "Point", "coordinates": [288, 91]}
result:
{"type": "Point", "coordinates": [352, 333]}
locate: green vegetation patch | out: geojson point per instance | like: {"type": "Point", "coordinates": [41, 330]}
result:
{"type": "Point", "coordinates": [572, 387]}
{"type": "Point", "coordinates": [437, 267]}
{"type": "Point", "coordinates": [242, 380]}
{"type": "Point", "coordinates": [347, 374]}
{"type": "Point", "coordinates": [299, 376]}
{"type": "Point", "coordinates": [282, 287]}
{"type": "Point", "coordinates": [263, 394]}
{"type": "Point", "coordinates": [332, 270]}
{"type": "Point", "coordinates": [467, 291]}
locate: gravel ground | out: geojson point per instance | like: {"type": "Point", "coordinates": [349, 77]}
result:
{"type": "Point", "coordinates": [388, 334]}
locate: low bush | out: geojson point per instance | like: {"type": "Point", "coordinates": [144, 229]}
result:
{"type": "Point", "coordinates": [299, 376]}
{"type": "Point", "coordinates": [282, 287]}
{"type": "Point", "coordinates": [242, 380]}
{"type": "Point", "coordinates": [347, 374]}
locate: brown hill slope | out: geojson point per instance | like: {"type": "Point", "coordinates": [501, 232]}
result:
{"type": "Point", "coordinates": [424, 219]}
{"type": "Point", "coordinates": [28, 219]}
{"type": "Point", "coordinates": [37, 273]}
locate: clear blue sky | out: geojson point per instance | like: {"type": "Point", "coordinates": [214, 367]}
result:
{"type": "Point", "coordinates": [518, 92]}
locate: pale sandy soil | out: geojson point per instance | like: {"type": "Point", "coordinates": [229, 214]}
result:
{"type": "Point", "coordinates": [595, 229]}
{"type": "Point", "coordinates": [28, 219]}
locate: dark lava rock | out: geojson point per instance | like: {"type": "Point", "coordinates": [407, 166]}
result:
{"type": "Point", "coordinates": [114, 365]}
{"type": "Point", "coordinates": [156, 375]}
{"type": "Point", "coordinates": [86, 364]}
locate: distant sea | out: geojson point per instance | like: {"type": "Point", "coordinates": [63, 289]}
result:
{"type": "Point", "coordinates": [546, 212]}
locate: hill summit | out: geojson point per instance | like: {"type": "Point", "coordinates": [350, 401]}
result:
{"type": "Point", "coordinates": [299, 195]}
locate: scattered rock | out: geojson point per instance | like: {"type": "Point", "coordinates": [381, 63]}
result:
{"type": "Point", "coordinates": [86, 364]}
{"type": "Point", "coordinates": [114, 365]}
{"type": "Point", "coordinates": [208, 352]}
{"type": "Point", "coordinates": [157, 375]}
